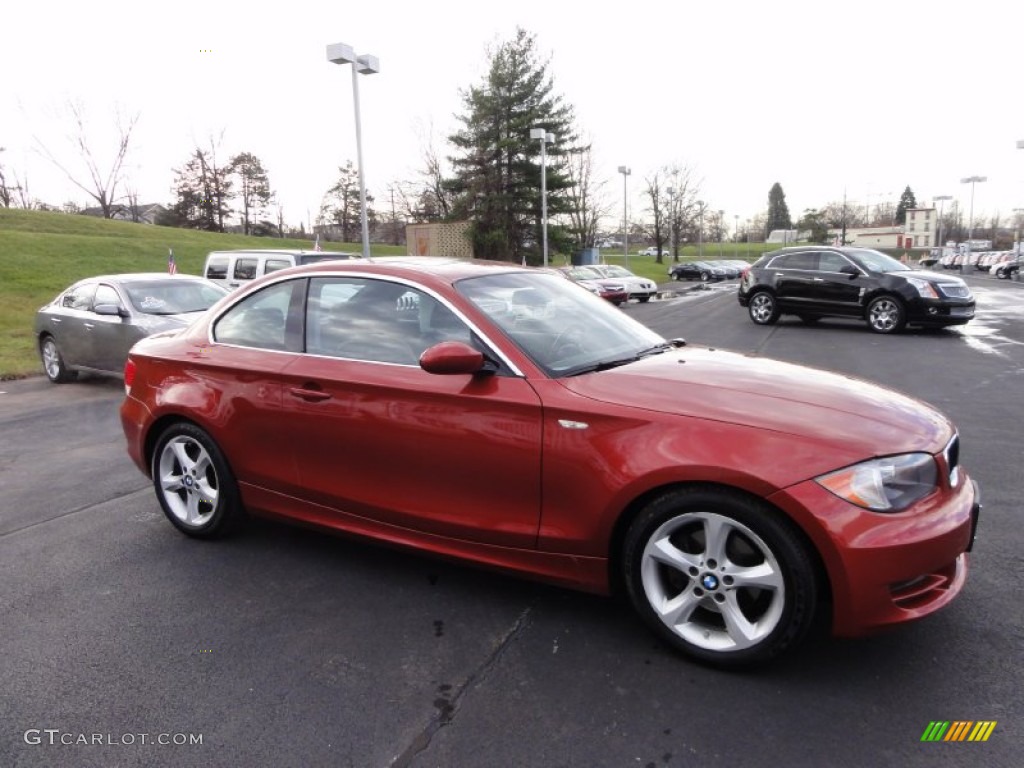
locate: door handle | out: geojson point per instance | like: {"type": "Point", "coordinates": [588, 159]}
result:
{"type": "Point", "coordinates": [309, 395]}
{"type": "Point", "coordinates": [817, 279]}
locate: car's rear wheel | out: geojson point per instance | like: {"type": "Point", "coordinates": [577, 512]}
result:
{"type": "Point", "coordinates": [704, 277]}
{"type": "Point", "coordinates": [193, 482]}
{"type": "Point", "coordinates": [719, 576]}
{"type": "Point", "coordinates": [763, 308]}
{"type": "Point", "coordinates": [886, 315]}
{"type": "Point", "coordinates": [53, 362]}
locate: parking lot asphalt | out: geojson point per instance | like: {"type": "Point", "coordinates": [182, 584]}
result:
{"type": "Point", "coordinates": [284, 647]}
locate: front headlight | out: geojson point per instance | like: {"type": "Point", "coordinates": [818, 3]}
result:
{"type": "Point", "coordinates": [924, 288]}
{"type": "Point", "coordinates": [884, 485]}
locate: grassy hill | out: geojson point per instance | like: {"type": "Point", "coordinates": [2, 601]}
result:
{"type": "Point", "coordinates": [42, 253]}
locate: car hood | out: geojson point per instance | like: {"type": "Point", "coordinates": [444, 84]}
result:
{"type": "Point", "coordinates": [831, 408]}
{"type": "Point", "coordinates": [938, 277]}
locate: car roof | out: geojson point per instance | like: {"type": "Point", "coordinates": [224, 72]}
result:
{"type": "Point", "coordinates": [131, 277]}
{"type": "Point", "coordinates": [444, 268]}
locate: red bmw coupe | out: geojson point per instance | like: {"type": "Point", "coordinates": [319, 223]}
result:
{"type": "Point", "coordinates": [502, 416]}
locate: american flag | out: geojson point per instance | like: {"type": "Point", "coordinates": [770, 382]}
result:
{"type": "Point", "coordinates": [172, 268]}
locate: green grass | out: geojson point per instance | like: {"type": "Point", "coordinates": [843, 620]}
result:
{"type": "Point", "coordinates": [43, 253]}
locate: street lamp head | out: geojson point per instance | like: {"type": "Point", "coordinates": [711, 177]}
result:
{"type": "Point", "coordinates": [549, 138]}
{"type": "Point", "coordinates": [1020, 143]}
{"type": "Point", "coordinates": [624, 170]}
{"type": "Point", "coordinates": [339, 53]}
{"type": "Point", "coordinates": [973, 179]}
{"type": "Point", "coordinates": [368, 65]}
{"type": "Point", "coordinates": [942, 197]}
{"type": "Point", "coordinates": [537, 133]}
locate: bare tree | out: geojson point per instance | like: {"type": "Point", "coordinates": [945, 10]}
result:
{"type": "Point", "coordinates": [680, 203]}
{"type": "Point", "coordinates": [655, 192]}
{"type": "Point", "coordinates": [6, 192]}
{"type": "Point", "coordinates": [100, 186]}
{"type": "Point", "coordinates": [585, 197]}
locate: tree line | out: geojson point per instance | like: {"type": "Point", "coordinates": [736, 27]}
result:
{"type": "Point", "coordinates": [490, 176]}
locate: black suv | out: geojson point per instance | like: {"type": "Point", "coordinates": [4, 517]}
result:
{"type": "Point", "coordinates": [818, 281]}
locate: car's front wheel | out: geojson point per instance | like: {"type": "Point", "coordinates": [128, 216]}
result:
{"type": "Point", "coordinates": [53, 363]}
{"type": "Point", "coordinates": [763, 308]}
{"type": "Point", "coordinates": [886, 315]}
{"type": "Point", "coordinates": [719, 576]}
{"type": "Point", "coordinates": [193, 482]}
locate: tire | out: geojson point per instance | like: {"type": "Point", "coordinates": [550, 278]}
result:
{"type": "Point", "coordinates": [743, 600]}
{"type": "Point", "coordinates": [53, 362]}
{"type": "Point", "coordinates": [193, 483]}
{"type": "Point", "coordinates": [704, 277]}
{"type": "Point", "coordinates": [886, 314]}
{"type": "Point", "coordinates": [763, 308]}
{"type": "Point", "coordinates": [644, 299]}
{"type": "Point", "coordinates": [677, 276]}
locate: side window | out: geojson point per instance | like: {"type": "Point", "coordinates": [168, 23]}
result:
{"type": "Point", "coordinates": [245, 269]}
{"type": "Point", "coordinates": [831, 262]}
{"type": "Point", "coordinates": [106, 295]}
{"type": "Point", "coordinates": [799, 260]}
{"type": "Point", "coordinates": [376, 320]}
{"type": "Point", "coordinates": [79, 297]}
{"type": "Point", "coordinates": [217, 268]}
{"type": "Point", "coordinates": [268, 319]}
{"type": "Point", "coordinates": [273, 265]}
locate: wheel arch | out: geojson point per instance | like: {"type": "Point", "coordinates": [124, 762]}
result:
{"type": "Point", "coordinates": [616, 542]}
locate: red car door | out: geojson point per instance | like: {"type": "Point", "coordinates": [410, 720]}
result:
{"type": "Point", "coordinates": [374, 435]}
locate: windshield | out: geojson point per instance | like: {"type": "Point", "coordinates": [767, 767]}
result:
{"type": "Point", "coordinates": [583, 273]}
{"type": "Point", "coordinates": [614, 270]}
{"type": "Point", "coordinates": [173, 296]}
{"type": "Point", "coordinates": [876, 261]}
{"type": "Point", "coordinates": [565, 330]}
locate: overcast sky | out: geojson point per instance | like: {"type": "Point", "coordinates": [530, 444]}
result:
{"type": "Point", "coordinates": [868, 99]}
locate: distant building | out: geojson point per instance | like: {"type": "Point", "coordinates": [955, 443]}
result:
{"type": "Point", "coordinates": [921, 230]}
{"type": "Point", "coordinates": [446, 238]}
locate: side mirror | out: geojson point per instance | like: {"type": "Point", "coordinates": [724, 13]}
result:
{"type": "Point", "coordinates": [110, 310]}
{"type": "Point", "coordinates": [452, 358]}
{"type": "Point", "coordinates": [849, 269]}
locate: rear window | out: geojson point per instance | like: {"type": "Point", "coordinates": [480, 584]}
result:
{"type": "Point", "coordinates": [245, 269]}
{"type": "Point", "coordinates": [217, 268]}
{"type": "Point", "coordinates": [273, 265]}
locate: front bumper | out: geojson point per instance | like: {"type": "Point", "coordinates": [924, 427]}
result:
{"type": "Point", "coordinates": [886, 569]}
{"type": "Point", "coordinates": [940, 312]}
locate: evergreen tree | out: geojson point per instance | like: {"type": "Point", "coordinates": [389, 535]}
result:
{"type": "Point", "coordinates": [907, 201]}
{"type": "Point", "coordinates": [201, 192]}
{"type": "Point", "coordinates": [340, 204]}
{"type": "Point", "coordinates": [253, 188]}
{"type": "Point", "coordinates": [497, 168]}
{"type": "Point", "coordinates": [778, 211]}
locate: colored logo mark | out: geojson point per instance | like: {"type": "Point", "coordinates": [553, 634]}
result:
{"type": "Point", "coordinates": [958, 730]}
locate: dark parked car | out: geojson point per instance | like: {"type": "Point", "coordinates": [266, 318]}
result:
{"type": "Point", "coordinates": [819, 281]}
{"type": "Point", "coordinates": [92, 325]}
{"type": "Point", "coordinates": [696, 270]}
{"type": "Point", "coordinates": [503, 416]}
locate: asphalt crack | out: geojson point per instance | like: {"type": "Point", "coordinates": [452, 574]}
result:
{"type": "Point", "coordinates": [448, 707]}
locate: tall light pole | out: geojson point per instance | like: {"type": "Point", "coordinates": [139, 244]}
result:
{"type": "Point", "coordinates": [736, 235]}
{"type": "Point", "coordinates": [721, 230]}
{"type": "Point", "coordinates": [339, 53]}
{"type": "Point", "coordinates": [671, 221]}
{"type": "Point", "coordinates": [972, 180]}
{"type": "Point", "coordinates": [624, 170]}
{"type": "Point", "coordinates": [1016, 240]}
{"type": "Point", "coordinates": [700, 229]}
{"type": "Point", "coordinates": [545, 139]}
{"type": "Point", "coordinates": [942, 230]}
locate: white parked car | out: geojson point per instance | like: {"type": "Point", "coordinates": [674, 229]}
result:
{"type": "Point", "coordinates": [652, 251]}
{"type": "Point", "coordinates": [639, 288]}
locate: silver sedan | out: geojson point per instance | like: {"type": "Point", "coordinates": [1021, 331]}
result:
{"type": "Point", "coordinates": [92, 325]}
